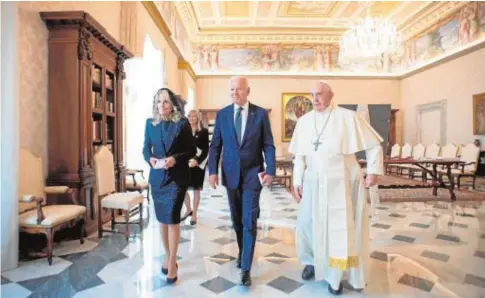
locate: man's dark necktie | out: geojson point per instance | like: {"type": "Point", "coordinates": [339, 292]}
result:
{"type": "Point", "coordinates": [238, 124]}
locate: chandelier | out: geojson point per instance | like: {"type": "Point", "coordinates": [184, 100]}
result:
{"type": "Point", "coordinates": [371, 37]}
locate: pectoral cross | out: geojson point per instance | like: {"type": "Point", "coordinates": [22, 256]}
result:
{"type": "Point", "coordinates": [316, 144]}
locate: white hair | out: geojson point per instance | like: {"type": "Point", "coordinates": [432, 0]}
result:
{"type": "Point", "coordinates": [243, 78]}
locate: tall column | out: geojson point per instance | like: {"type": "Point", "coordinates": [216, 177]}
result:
{"type": "Point", "coordinates": [9, 127]}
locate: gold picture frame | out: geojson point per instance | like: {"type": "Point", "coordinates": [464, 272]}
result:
{"type": "Point", "coordinates": [479, 114]}
{"type": "Point", "coordinates": [293, 106]}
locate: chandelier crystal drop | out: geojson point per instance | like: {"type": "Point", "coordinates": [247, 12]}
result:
{"type": "Point", "coordinates": [370, 38]}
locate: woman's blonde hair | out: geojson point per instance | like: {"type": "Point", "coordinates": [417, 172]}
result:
{"type": "Point", "coordinates": [199, 118]}
{"type": "Point", "coordinates": [167, 96]}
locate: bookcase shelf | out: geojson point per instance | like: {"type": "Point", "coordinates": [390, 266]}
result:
{"type": "Point", "coordinates": [86, 111]}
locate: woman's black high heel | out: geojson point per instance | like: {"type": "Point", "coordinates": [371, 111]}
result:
{"type": "Point", "coordinates": [174, 279]}
{"type": "Point", "coordinates": [165, 270]}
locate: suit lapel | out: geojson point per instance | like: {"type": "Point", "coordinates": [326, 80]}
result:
{"type": "Point", "coordinates": [230, 122]}
{"type": "Point", "coordinates": [158, 131]}
{"type": "Point", "coordinates": [249, 122]}
{"type": "Point", "coordinates": [171, 133]}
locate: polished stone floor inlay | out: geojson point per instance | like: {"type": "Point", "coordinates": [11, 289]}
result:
{"type": "Point", "coordinates": [434, 249]}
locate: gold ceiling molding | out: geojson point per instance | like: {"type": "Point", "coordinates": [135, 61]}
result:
{"type": "Point", "coordinates": [275, 38]}
{"type": "Point", "coordinates": [428, 18]}
{"type": "Point", "coordinates": [187, 13]}
{"type": "Point", "coordinates": [167, 34]}
{"type": "Point", "coordinates": [235, 8]}
{"type": "Point", "coordinates": [184, 65]}
{"type": "Point", "coordinates": [297, 9]}
{"type": "Point", "coordinates": [157, 18]}
{"type": "Point", "coordinates": [425, 14]}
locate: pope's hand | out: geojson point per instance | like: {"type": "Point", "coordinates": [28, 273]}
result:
{"type": "Point", "coordinates": [297, 193]}
{"type": "Point", "coordinates": [370, 180]}
{"type": "Point", "coordinates": [214, 181]}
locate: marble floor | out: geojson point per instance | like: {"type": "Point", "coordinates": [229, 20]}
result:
{"type": "Point", "coordinates": [418, 250]}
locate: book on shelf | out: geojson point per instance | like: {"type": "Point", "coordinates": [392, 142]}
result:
{"type": "Point", "coordinates": [97, 124]}
{"type": "Point", "coordinates": [96, 74]}
{"type": "Point", "coordinates": [96, 97]}
{"type": "Point", "coordinates": [109, 132]}
{"type": "Point", "coordinates": [109, 81]}
{"type": "Point", "coordinates": [111, 107]}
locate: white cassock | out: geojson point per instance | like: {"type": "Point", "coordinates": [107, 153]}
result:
{"type": "Point", "coordinates": [332, 229]}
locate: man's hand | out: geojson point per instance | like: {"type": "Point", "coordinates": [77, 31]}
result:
{"type": "Point", "coordinates": [153, 161]}
{"type": "Point", "coordinates": [193, 163]}
{"type": "Point", "coordinates": [214, 180]}
{"type": "Point", "coordinates": [297, 193]}
{"type": "Point", "coordinates": [370, 180]}
{"type": "Point", "coordinates": [169, 162]}
{"type": "Point", "coordinates": [267, 180]}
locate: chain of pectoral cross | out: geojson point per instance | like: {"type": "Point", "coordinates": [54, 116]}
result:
{"type": "Point", "coordinates": [317, 142]}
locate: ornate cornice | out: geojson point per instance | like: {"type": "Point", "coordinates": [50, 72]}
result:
{"type": "Point", "coordinates": [186, 12]}
{"type": "Point", "coordinates": [184, 65]}
{"type": "Point", "coordinates": [261, 39]}
{"type": "Point", "coordinates": [164, 29]}
{"type": "Point", "coordinates": [429, 18]}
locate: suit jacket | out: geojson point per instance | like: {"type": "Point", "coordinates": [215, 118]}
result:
{"type": "Point", "coordinates": [177, 142]}
{"type": "Point", "coordinates": [201, 139]}
{"type": "Point", "coordinates": [241, 163]}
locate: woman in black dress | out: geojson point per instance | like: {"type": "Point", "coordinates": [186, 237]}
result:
{"type": "Point", "coordinates": [167, 148]}
{"type": "Point", "coordinates": [197, 164]}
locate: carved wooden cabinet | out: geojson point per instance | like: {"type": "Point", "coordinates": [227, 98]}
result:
{"type": "Point", "coordinates": [85, 104]}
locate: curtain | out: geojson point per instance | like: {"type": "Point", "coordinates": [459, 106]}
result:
{"type": "Point", "coordinates": [144, 76]}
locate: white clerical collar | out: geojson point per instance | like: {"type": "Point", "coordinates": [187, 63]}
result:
{"type": "Point", "coordinates": [245, 106]}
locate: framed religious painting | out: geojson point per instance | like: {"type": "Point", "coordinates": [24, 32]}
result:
{"type": "Point", "coordinates": [479, 114]}
{"type": "Point", "coordinates": [294, 105]}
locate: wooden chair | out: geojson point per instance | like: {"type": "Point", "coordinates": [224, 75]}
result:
{"type": "Point", "coordinates": [432, 152]}
{"type": "Point", "coordinates": [135, 183]}
{"type": "Point", "coordinates": [109, 198]}
{"type": "Point", "coordinates": [35, 217]}
{"type": "Point", "coordinates": [395, 153]}
{"type": "Point", "coordinates": [469, 155]}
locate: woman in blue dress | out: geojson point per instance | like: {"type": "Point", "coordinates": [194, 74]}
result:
{"type": "Point", "coordinates": [167, 148]}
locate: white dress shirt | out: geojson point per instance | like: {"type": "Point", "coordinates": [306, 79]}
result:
{"type": "Point", "coordinates": [244, 116]}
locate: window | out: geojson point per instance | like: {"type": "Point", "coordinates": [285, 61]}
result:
{"type": "Point", "coordinates": [190, 101]}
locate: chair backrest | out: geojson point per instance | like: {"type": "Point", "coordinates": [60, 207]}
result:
{"type": "Point", "coordinates": [395, 151]}
{"type": "Point", "coordinates": [31, 177]}
{"type": "Point", "coordinates": [432, 151]}
{"type": "Point", "coordinates": [418, 151]}
{"type": "Point", "coordinates": [449, 151]}
{"type": "Point", "coordinates": [470, 154]}
{"type": "Point", "coordinates": [406, 151]}
{"type": "Point", "coordinates": [104, 170]}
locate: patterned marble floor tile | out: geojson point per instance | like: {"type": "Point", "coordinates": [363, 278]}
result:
{"type": "Point", "coordinates": [72, 247]}
{"type": "Point", "coordinates": [381, 226]}
{"type": "Point", "coordinates": [37, 268]}
{"type": "Point", "coordinates": [218, 285]}
{"type": "Point", "coordinates": [269, 240]}
{"type": "Point", "coordinates": [14, 290]}
{"type": "Point", "coordinates": [423, 257]}
{"type": "Point", "coordinates": [276, 258]}
{"type": "Point", "coordinates": [5, 281]}
{"type": "Point", "coordinates": [435, 255]}
{"type": "Point", "coordinates": [285, 284]}
{"type": "Point", "coordinates": [223, 240]}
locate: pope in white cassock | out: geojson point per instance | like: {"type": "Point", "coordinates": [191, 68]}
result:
{"type": "Point", "coordinates": [332, 234]}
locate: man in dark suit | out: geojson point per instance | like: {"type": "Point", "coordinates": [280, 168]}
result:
{"type": "Point", "coordinates": [242, 133]}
